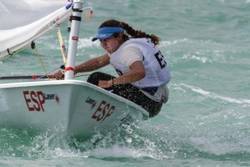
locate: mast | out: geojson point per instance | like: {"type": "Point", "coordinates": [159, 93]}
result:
{"type": "Point", "coordinates": [73, 38]}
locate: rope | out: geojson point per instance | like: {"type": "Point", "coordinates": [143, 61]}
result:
{"type": "Point", "coordinates": [40, 60]}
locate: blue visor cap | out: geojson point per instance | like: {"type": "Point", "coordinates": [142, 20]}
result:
{"type": "Point", "coordinates": [107, 32]}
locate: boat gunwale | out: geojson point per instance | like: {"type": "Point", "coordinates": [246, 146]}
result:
{"type": "Point", "coordinates": [74, 82]}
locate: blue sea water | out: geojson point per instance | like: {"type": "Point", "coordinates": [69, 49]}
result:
{"type": "Point", "coordinates": [206, 120]}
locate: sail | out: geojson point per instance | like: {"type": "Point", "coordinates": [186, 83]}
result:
{"type": "Point", "coordinates": [16, 13]}
{"type": "Point", "coordinates": [26, 26]}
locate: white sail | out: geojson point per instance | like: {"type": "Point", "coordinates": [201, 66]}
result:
{"type": "Point", "coordinates": [16, 13]}
{"type": "Point", "coordinates": [18, 37]}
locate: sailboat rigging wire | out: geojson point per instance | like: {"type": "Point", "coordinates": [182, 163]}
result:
{"type": "Point", "coordinates": [11, 53]}
{"type": "Point", "coordinates": [35, 53]}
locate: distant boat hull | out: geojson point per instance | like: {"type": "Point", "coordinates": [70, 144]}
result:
{"type": "Point", "coordinates": [78, 107]}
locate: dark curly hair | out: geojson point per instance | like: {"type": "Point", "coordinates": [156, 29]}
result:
{"type": "Point", "coordinates": [130, 31]}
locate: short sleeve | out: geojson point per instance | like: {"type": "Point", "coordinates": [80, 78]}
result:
{"type": "Point", "coordinates": [131, 54]}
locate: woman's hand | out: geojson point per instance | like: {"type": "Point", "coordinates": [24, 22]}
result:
{"type": "Point", "coordinates": [105, 84]}
{"type": "Point", "coordinates": [58, 75]}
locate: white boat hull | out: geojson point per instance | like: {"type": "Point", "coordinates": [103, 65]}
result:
{"type": "Point", "coordinates": [78, 107]}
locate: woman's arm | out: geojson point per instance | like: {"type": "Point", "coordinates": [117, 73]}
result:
{"type": "Point", "coordinates": [136, 73]}
{"type": "Point", "coordinates": [89, 65]}
{"type": "Point", "coordinates": [92, 64]}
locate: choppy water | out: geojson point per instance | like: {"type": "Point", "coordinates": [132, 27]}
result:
{"type": "Point", "coordinates": [206, 121]}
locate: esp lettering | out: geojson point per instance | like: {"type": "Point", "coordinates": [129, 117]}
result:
{"type": "Point", "coordinates": [35, 100]}
{"type": "Point", "coordinates": [103, 111]}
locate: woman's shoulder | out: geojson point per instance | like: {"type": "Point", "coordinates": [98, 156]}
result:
{"type": "Point", "coordinates": [138, 40]}
{"type": "Point", "coordinates": [141, 41]}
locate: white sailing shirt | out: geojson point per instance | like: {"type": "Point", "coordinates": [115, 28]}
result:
{"type": "Point", "coordinates": [157, 73]}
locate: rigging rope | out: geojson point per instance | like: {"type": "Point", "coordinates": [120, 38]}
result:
{"type": "Point", "coordinates": [40, 60]}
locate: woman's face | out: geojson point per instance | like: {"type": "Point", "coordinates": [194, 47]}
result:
{"type": "Point", "coordinates": [111, 44]}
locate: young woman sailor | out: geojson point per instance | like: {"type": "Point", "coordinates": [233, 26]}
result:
{"type": "Point", "coordinates": [143, 71]}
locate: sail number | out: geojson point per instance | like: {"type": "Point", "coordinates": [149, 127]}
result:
{"type": "Point", "coordinates": [34, 100]}
{"type": "Point", "coordinates": [161, 60]}
{"type": "Point", "coordinates": [103, 111]}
